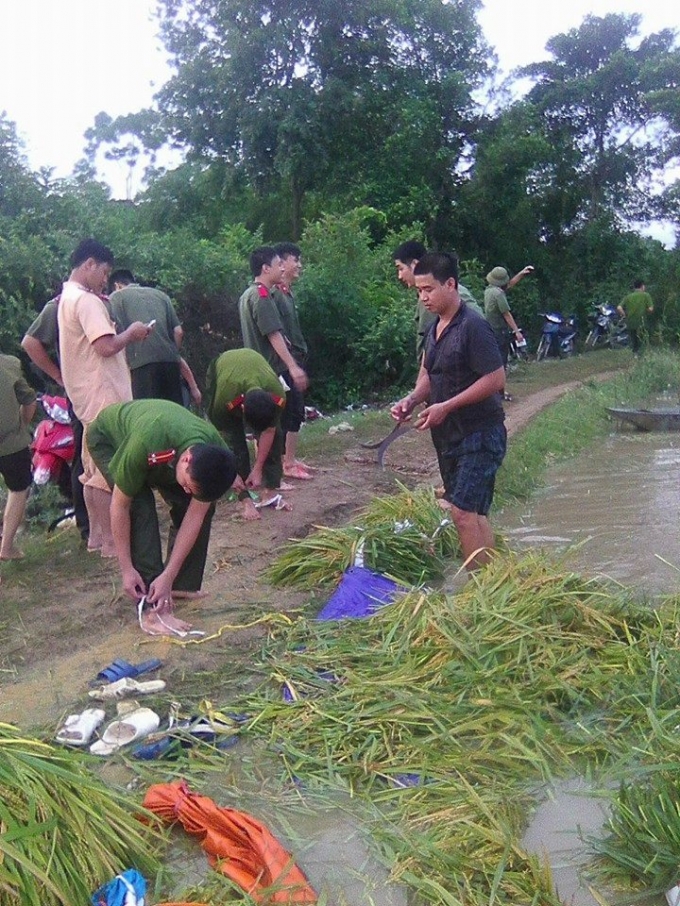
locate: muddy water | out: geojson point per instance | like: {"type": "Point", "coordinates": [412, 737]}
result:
{"type": "Point", "coordinates": [619, 503]}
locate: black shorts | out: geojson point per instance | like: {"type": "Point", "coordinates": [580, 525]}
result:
{"type": "Point", "coordinates": [16, 470]}
{"type": "Point", "coordinates": [294, 414]}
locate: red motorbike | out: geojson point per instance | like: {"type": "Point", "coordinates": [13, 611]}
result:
{"type": "Point", "coordinates": [53, 445]}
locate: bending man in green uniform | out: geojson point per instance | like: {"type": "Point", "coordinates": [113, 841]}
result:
{"type": "Point", "coordinates": [148, 445]}
{"type": "Point", "coordinates": [243, 391]}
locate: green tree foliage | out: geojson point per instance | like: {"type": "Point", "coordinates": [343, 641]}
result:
{"type": "Point", "coordinates": [318, 95]}
{"type": "Point", "coordinates": [609, 108]}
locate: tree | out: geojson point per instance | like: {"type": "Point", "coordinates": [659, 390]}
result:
{"type": "Point", "coordinates": [610, 111]}
{"type": "Point", "coordinates": [308, 93]}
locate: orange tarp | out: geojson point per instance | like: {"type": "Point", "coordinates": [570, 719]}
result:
{"type": "Point", "coordinates": [236, 844]}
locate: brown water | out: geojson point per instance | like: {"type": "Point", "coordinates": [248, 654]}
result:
{"type": "Point", "coordinates": [619, 503]}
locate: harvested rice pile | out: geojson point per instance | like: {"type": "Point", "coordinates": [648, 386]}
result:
{"type": "Point", "coordinates": [452, 712]}
{"type": "Point", "coordinates": [62, 833]}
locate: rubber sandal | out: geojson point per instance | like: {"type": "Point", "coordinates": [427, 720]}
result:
{"type": "Point", "coordinates": [126, 686]}
{"type": "Point", "coordinates": [78, 729]}
{"type": "Point", "coordinates": [128, 729]}
{"type": "Point", "coordinates": [119, 669]}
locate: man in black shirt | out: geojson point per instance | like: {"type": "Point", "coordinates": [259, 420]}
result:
{"type": "Point", "coordinates": [462, 379]}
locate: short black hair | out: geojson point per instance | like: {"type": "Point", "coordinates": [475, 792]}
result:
{"type": "Point", "coordinates": [287, 250]}
{"type": "Point", "coordinates": [638, 284]}
{"type": "Point", "coordinates": [261, 256]}
{"type": "Point", "coordinates": [260, 409]}
{"type": "Point", "coordinates": [213, 469]}
{"type": "Point", "coordinates": [413, 250]}
{"type": "Point", "coordinates": [122, 275]}
{"type": "Point", "coordinates": [442, 266]}
{"type": "Point", "coordinates": [90, 248]}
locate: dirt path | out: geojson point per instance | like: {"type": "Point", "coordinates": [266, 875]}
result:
{"type": "Point", "coordinates": [65, 630]}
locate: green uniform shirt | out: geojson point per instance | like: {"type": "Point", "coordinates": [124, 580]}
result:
{"type": "Point", "coordinates": [233, 373]}
{"type": "Point", "coordinates": [45, 329]}
{"type": "Point", "coordinates": [495, 305]}
{"type": "Point", "coordinates": [138, 429]}
{"type": "Point", "coordinates": [15, 392]}
{"type": "Point", "coordinates": [144, 303]}
{"type": "Point", "coordinates": [285, 302]}
{"type": "Point", "coordinates": [636, 305]}
{"type": "Point", "coordinates": [259, 317]}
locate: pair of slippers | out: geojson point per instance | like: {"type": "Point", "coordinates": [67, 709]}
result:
{"type": "Point", "coordinates": [183, 734]}
{"type": "Point", "coordinates": [130, 726]}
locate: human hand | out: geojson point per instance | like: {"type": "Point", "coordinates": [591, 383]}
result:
{"type": "Point", "coordinates": [254, 480]}
{"type": "Point", "coordinates": [160, 593]}
{"type": "Point", "coordinates": [431, 416]}
{"type": "Point", "coordinates": [133, 584]}
{"type": "Point", "coordinates": [401, 411]}
{"type": "Point", "coordinates": [528, 269]}
{"type": "Point", "coordinates": [138, 331]}
{"type": "Point", "coordinates": [196, 395]}
{"type": "Point", "coordinates": [299, 378]}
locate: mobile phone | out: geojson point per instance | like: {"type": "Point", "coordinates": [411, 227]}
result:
{"type": "Point", "coordinates": [151, 323]}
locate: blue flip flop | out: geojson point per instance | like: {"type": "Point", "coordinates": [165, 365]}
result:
{"type": "Point", "coordinates": [119, 669]}
{"type": "Point", "coordinates": [184, 734]}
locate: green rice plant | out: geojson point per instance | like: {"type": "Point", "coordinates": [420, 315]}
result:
{"type": "Point", "coordinates": [405, 536]}
{"type": "Point", "coordinates": [62, 832]}
{"type": "Point", "coordinates": [450, 713]}
{"type": "Point", "coordinates": [642, 844]}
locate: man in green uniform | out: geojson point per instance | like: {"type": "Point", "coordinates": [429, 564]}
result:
{"type": "Point", "coordinates": [406, 257]}
{"type": "Point", "coordinates": [242, 390]}
{"type": "Point", "coordinates": [261, 323]}
{"type": "Point", "coordinates": [634, 307]}
{"type": "Point", "coordinates": [17, 407]}
{"type": "Point", "coordinates": [148, 445]}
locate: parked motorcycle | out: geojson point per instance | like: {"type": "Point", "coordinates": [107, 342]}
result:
{"type": "Point", "coordinates": [558, 336]}
{"type": "Point", "coordinates": [607, 328]}
{"type": "Point", "coordinates": [53, 445]}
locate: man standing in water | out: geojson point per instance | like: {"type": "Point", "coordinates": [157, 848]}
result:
{"type": "Point", "coordinates": [462, 376]}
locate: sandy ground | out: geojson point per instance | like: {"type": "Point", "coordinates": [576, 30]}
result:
{"type": "Point", "coordinates": [50, 652]}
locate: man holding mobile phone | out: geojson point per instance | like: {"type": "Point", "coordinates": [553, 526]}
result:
{"type": "Point", "coordinates": [156, 366]}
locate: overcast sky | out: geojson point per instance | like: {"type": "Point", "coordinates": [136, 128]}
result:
{"type": "Point", "coordinates": [63, 61]}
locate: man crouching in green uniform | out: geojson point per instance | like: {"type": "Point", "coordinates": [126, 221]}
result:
{"type": "Point", "coordinates": [148, 445]}
{"type": "Point", "coordinates": [243, 391]}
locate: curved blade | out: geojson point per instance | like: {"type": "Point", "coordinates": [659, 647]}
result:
{"type": "Point", "coordinates": [396, 432]}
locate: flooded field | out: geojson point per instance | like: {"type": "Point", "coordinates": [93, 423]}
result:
{"type": "Point", "coordinates": [619, 503]}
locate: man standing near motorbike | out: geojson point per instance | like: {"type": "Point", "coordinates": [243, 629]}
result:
{"type": "Point", "coordinates": [497, 310]}
{"type": "Point", "coordinates": [463, 377]}
{"type": "Point", "coordinates": [634, 308]}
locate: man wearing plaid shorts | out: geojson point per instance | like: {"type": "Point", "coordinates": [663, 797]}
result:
{"type": "Point", "coordinates": [462, 380]}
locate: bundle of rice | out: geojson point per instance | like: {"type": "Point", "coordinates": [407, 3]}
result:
{"type": "Point", "coordinates": [62, 833]}
{"type": "Point", "coordinates": [404, 536]}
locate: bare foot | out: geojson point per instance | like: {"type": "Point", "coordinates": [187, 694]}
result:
{"type": "Point", "coordinates": [297, 471]}
{"type": "Point", "coordinates": [284, 486]}
{"type": "Point", "coordinates": [173, 623]}
{"type": "Point", "coordinates": [250, 512]}
{"type": "Point", "coordinates": [189, 595]}
{"type": "Point", "coordinates": [152, 623]}
{"type": "Point", "coordinates": [12, 554]}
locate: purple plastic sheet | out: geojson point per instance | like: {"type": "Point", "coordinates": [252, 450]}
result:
{"type": "Point", "coordinates": [360, 593]}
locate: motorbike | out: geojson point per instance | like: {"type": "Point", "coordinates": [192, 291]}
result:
{"type": "Point", "coordinates": [53, 445]}
{"type": "Point", "coordinates": [607, 328]}
{"type": "Point", "coordinates": [558, 336]}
